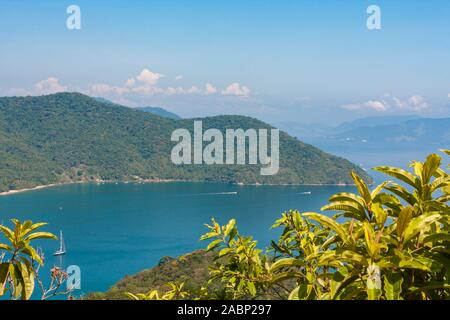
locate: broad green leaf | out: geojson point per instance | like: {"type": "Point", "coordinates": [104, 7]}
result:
{"type": "Point", "coordinates": [378, 189]}
{"type": "Point", "coordinates": [418, 224]}
{"type": "Point", "coordinates": [402, 193]}
{"type": "Point", "coordinates": [398, 173]}
{"type": "Point", "coordinates": [362, 188]}
{"type": "Point", "coordinates": [251, 288]}
{"type": "Point", "coordinates": [26, 271]}
{"type": "Point", "coordinates": [229, 227]}
{"type": "Point", "coordinates": [393, 285]}
{"type": "Point", "coordinates": [213, 245]}
{"type": "Point", "coordinates": [348, 197]}
{"type": "Point", "coordinates": [9, 234]}
{"type": "Point", "coordinates": [380, 214]}
{"type": "Point", "coordinates": [5, 247]}
{"type": "Point", "coordinates": [4, 267]}
{"type": "Point", "coordinates": [294, 294]}
{"type": "Point", "coordinates": [403, 220]}
{"type": "Point", "coordinates": [41, 235]}
{"type": "Point", "coordinates": [287, 262]}
{"type": "Point", "coordinates": [329, 223]}
{"type": "Point", "coordinates": [430, 166]}
{"type": "Point", "coordinates": [225, 251]}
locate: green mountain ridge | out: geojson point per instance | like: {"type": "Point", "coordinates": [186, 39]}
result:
{"type": "Point", "coordinates": [160, 112]}
{"type": "Point", "coordinates": [70, 137]}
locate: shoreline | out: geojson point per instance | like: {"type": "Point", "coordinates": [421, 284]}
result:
{"type": "Point", "coordinates": [149, 181]}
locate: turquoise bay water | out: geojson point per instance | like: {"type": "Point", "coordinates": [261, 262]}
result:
{"type": "Point", "coordinates": [113, 230]}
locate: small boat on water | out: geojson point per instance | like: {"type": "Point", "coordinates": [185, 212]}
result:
{"type": "Point", "coordinates": [306, 193]}
{"type": "Point", "coordinates": [62, 247]}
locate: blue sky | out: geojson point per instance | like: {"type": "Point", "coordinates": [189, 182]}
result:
{"type": "Point", "coordinates": [305, 61]}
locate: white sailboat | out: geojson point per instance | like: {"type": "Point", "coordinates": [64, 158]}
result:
{"type": "Point", "coordinates": [62, 246]}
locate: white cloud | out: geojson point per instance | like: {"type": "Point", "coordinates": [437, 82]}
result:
{"type": "Point", "coordinates": [372, 104]}
{"type": "Point", "coordinates": [49, 86]}
{"type": "Point", "coordinates": [130, 82]}
{"type": "Point", "coordinates": [417, 103]}
{"type": "Point", "coordinates": [448, 95]}
{"type": "Point", "coordinates": [235, 89]}
{"type": "Point", "coordinates": [144, 84]}
{"type": "Point", "coordinates": [149, 77]}
{"type": "Point", "coordinates": [413, 103]}
{"type": "Point", "coordinates": [210, 89]}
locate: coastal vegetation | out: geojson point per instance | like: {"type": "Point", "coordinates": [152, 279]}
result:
{"type": "Point", "coordinates": [70, 137]}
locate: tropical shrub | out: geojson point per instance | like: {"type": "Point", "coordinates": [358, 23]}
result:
{"type": "Point", "coordinates": [18, 258]}
{"type": "Point", "coordinates": [389, 243]}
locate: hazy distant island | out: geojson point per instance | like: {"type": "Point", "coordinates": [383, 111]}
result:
{"type": "Point", "coordinates": [385, 134]}
{"type": "Point", "coordinates": [71, 137]}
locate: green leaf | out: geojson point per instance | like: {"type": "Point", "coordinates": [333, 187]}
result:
{"type": "Point", "coordinates": [9, 234]}
{"type": "Point", "coordinates": [429, 167]}
{"type": "Point", "coordinates": [403, 220]}
{"type": "Point", "coordinates": [251, 288]}
{"type": "Point", "coordinates": [4, 267]}
{"type": "Point", "coordinates": [380, 214]}
{"type": "Point", "coordinates": [393, 285]}
{"type": "Point", "coordinates": [225, 251]}
{"type": "Point", "coordinates": [5, 247]}
{"type": "Point", "coordinates": [418, 224]}
{"type": "Point", "coordinates": [287, 275]}
{"type": "Point", "coordinates": [354, 209]}
{"type": "Point", "coordinates": [229, 227]}
{"type": "Point", "coordinates": [362, 188]}
{"type": "Point", "coordinates": [287, 262]}
{"type": "Point", "coordinates": [352, 257]}
{"type": "Point", "coordinates": [26, 271]}
{"type": "Point", "coordinates": [294, 294]}
{"type": "Point", "coordinates": [378, 189]}
{"type": "Point", "coordinates": [347, 196]}
{"type": "Point", "coordinates": [329, 223]}
{"type": "Point", "coordinates": [29, 250]}
{"type": "Point", "coordinates": [213, 245]}
{"type": "Point", "coordinates": [400, 174]}
{"type": "Point", "coordinates": [41, 235]}
{"type": "Point", "coordinates": [402, 193]}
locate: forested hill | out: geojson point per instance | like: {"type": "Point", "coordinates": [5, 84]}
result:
{"type": "Point", "coordinates": [70, 137]}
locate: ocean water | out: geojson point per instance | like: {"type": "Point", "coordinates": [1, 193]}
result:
{"type": "Point", "coordinates": [113, 230]}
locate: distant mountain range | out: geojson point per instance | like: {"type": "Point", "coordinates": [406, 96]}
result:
{"type": "Point", "coordinates": [160, 112]}
{"type": "Point", "coordinates": [394, 133]}
{"type": "Point", "coordinates": [70, 137]}
{"type": "Point", "coordinates": [155, 110]}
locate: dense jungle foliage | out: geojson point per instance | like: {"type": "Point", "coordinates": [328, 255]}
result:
{"type": "Point", "coordinates": [70, 137]}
